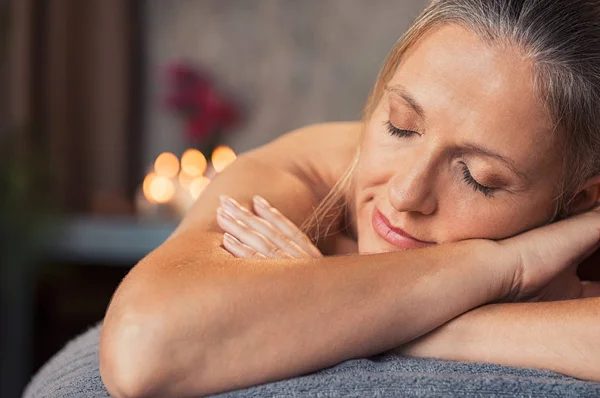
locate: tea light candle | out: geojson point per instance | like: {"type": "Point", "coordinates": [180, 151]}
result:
{"type": "Point", "coordinates": [154, 198]}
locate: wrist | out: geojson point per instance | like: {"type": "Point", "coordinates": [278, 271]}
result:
{"type": "Point", "coordinates": [501, 262]}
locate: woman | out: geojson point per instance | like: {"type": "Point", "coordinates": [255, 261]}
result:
{"type": "Point", "coordinates": [482, 129]}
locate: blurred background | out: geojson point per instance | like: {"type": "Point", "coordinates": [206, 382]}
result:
{"type": "Point", "coordinates": [114, 115]}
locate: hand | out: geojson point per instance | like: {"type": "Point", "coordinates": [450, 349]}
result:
{"type": "Point", "coordinates": [547, 259]}
{"type": "Point", "coordinates": [266, 234]}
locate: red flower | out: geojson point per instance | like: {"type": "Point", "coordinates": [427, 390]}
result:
{"type": "Point", "coordinates": [199, 127]}
{"type": "Point", "coordinates": [204, 110]}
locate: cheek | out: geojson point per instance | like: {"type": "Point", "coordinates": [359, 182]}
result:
{"type": "Point", "coordinates": [379, 160]}
{"type": "Point", "coordinates": [489, 218]}
{"type": "Point", "coordinates": [373, 170]}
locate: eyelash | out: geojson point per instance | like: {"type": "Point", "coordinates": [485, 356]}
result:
{"type": "Point", "coordinates": [395, 131]}
{"type": "Point", "coordinates": [467, 177]}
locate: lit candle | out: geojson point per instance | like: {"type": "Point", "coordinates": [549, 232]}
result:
{"type": "Point", "coordinates": [154, 197]}
{"type": "Point", "coordinates": [171, 188]}
{"type": "Point", "coordinates": [193, 163]}
{"type": "Point", "coordinates": [221, 157]}
{"type": "Point", "coordinates": [166, 165]}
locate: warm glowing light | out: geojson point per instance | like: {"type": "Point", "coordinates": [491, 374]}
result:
{"type": "Point", "coordinates": [222, 157]}
{"type": "Point", "coordinates": [166, 165]}
{"type": "Point", "coordinates": [185, 179]}
{"type": "Point", "coordinates": [147, 183]}
{"type": "Point", "coordinates": [193, 162]}
{"type": "Point", "coordinates": [197, 186]}
{"type": "Point", "coordinates": [158, 189]}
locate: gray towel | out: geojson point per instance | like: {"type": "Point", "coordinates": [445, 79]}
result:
{"type": "Point", "coordinates": [73, 372]}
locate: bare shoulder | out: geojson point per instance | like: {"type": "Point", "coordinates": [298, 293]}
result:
{"type": "Point", "coordinates": [293, 172]}
{"type": "Point", "coordinates": [319, 152]}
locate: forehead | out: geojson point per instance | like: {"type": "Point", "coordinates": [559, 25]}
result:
{"type": "Point", "coordinates": [476, 92]}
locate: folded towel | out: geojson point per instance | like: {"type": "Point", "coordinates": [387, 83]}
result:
{"type": "Point", "coordinates": [74, 372]}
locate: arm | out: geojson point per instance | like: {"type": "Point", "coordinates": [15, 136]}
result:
{"type": "Point", "coordinates": [183, 325]}
{"type": "Point", "coordinates": [492, 333]}
{"type": "Point", "coordinates": [191, 320]}
{"type": "Point", "coordinates": [561, 336]}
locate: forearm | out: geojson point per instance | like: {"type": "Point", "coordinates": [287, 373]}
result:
{"type": "Point", "coordinates": [231, 323]}
{"type": "Point", "coordinates": [562, 336]}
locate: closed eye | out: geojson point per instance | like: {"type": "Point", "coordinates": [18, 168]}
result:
{"type": "Point", "coordinates": [468, 178]}
{"type": "Point", "coordinates": [395, 131]}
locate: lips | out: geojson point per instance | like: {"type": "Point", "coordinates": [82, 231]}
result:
{"type": "Point", "coordinates": [394, 235]}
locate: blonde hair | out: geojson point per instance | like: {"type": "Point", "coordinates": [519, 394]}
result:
{"type": "Point", "coordinates": [561, 37]}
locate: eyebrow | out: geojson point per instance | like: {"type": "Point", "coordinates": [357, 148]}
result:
{"type": "Point", "coordinates": [486, 152]}
{"type": "Point", "coordinates": [404, 94]}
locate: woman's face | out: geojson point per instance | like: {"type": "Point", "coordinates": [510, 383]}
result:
{"type": "Point", "coordinates": [458, 147]}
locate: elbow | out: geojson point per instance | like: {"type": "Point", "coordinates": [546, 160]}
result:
{"type": "Point", "coordinates": [149, 344]}
{"type": "Point", "coordinates": [143, 353]}
{"type": "Point", "coordinates": [128, 342]}
{"type": "Point", "coordinates": [128, 364]}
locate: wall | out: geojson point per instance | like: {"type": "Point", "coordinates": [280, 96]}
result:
{"type": "Point", "coordinates": [291, 62]}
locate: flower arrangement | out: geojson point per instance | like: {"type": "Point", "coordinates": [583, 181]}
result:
{"type": "Point", "coordinates": [173, 184]}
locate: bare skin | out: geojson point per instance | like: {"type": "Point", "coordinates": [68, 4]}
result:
{"type": "Point", "coordinates": [151, 309]}
{"type": "Point", "coordinates": [438, 180]}
{"type": "Point", "coordinates": [215, 317]}
{"type": "Point", "coordinates": [413, 179]}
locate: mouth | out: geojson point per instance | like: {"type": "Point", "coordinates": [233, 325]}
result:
{"type": "Point", "coordinates": [394, 235]}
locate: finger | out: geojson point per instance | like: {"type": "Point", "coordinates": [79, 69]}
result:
{"type": "Point", "coordinates": [263, 227]}
{"type": "Point", "coordinates": [283, 224]}
{"type": "Point", "coordinates": [248, 236]}
{"type": "Point", "coordinates": [239, 249]}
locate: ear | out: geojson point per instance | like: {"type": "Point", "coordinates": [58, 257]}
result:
{"type": "Point", "coordinates": [587, 197]}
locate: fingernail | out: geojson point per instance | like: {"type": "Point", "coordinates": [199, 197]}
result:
{"type": "Point", "coordinates": [225, 214]}
{"type": "Point", "coordinates": [229, 202]}
{"type": "Point", "coordinates": [235, 204]}
{"type": "Point", "coordinates": [228, 205]}
{"type": "Point", "coordinates": [231, 239]}
{"type": "Point", "coordinates": [261, 201]}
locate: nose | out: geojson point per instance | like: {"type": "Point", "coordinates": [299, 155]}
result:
{"type": "Point", "coordinates": [412, 189]}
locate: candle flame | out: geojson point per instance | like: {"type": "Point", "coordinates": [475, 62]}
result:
{"type": "Point", "coordinates": [193, 162]}
{"type": "Point", "coordinates": [146, 185]}
{"type": "Point", "coordinates": [222, 157]}
{"type": "Point", "coordinates": [158, 189]}
{"type": "Point", "coordinates": [166, 165]}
